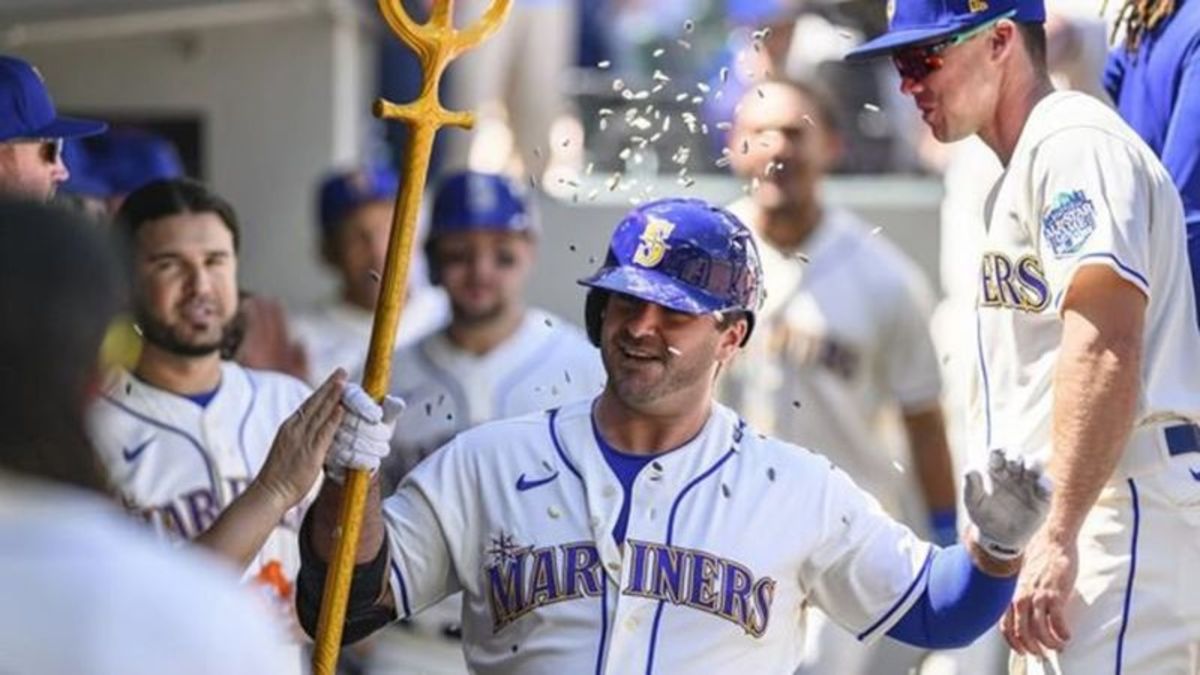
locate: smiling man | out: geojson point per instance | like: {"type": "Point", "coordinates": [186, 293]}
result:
{"type": "Point", "coordinates": [1086, 334]}
{"type": "Point", "coordinates": [650, 529]}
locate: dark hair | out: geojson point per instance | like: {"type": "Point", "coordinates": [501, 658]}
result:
{"type": "Point", "coordinates": [1033, 34]}
{"type": "Point", "coordinates": [59, 292]}
{"type": "Point", "coordinates": [1139, 17]}
{"type": "Point", "coordinates": [173, 196]}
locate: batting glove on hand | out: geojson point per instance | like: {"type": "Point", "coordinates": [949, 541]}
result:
{"type": "Point", "coordinates": [1008, 514]}
{"type": "Point", "coordinates": [364, 436]}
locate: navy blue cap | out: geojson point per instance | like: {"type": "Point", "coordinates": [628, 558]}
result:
{"type": "Point", "coordinates": [84, 181]}
{"type": "Point", "coordinates": [345, 191]}
{"type": "Point", "coordinates": [26, 110]}
{"type": "Point", "coordinates": [912, 22]}
{"type": "Point", "coordinates": [471, 200]}
{"type": "Point", "coordinates": [127, 159]}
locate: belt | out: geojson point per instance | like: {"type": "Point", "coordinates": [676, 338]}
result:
{"type": "Point", "coordinates": [1182, 439]}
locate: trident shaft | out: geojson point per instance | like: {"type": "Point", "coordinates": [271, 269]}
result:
{"type": "Point", "coordinates": [436, 43]}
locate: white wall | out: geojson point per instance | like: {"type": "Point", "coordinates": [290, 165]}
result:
{"type": "Point", "coordinates": [282, 101]}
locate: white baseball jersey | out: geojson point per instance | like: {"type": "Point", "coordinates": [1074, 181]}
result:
{"type": "Point", "coordinates": [545, 363]}
{"type": "Point", "coordinates": [1083, 189]}
{"type": "Point", "coordinates": [179, 465]}
{"type": "Point", "coordinates": [841, 341]}
{"type": "Point", "coordinates": [87, 592]}
{"type": "Point", "coordinates": [337, 334]}
{"type": "Point", "coordinates": [729, 538]}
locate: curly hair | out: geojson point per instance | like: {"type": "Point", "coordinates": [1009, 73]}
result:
{"type": "Point", "coordinates": [1139, 17]}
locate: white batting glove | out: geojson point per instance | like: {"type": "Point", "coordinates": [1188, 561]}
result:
{"type": "Point", "coordinates": [364, 436]}
{"type": "Point", "coordinates": [1011, 511]}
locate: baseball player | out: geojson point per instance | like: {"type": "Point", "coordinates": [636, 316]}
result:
{"type": "Point", "coordinates": [1154, 78]}
{"type": "Point", "coordinates": [32, 133]}
{"type": "Point", "coordinates": [497, 357]}
{"type": "Point", "coordinates": [1086, 340]}
{"type": "Point", "coordinates": [85, 591]}
{"type": "Point", "coordinates": [355, 218]}
{"type": "Point", "coordinates": [184, 435]}
{"type": "Point", "coordinates": [842, 343]}
{"type": "Point", "coordinates": [651, 529]}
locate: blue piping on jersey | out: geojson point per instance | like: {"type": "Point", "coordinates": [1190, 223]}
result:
{"type": "Point", "coordinates": [737, 435]}
{"type": "Point", "coordinates": [447, 380]}
{"type": "Point", "coordinates": [603, 623]}
{"type": "Point", "coordinates": [403, 590]}
{"type": "Point", "coordinates": [987, 391]}
{"type": "Point", "coordinates": [242, 427]}
{"type": "Point", "coordinates": [1116, 261]}
{"type": "Point", "coordinates": [903, 598]}
{"type": "Point", "coordinates": [558, 446]}
{"type": "Point", "coordinates": [208, 467]}
{"type": "Point", "coordinates": [1129, 583]}
{"type": "Point", "coordinates": [510, 382]}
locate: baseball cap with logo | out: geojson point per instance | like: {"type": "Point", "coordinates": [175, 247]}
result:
{"type": "Point", "coordinates": [26, 110]}
{"type": "Point", "coordinates": [913, 22]}
{"type": "Point", "coordinates": [344, 192]}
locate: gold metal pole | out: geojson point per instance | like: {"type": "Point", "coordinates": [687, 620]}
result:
{"type": "Point", "coordinates": [436, 44]}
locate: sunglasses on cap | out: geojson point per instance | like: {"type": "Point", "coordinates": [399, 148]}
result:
{"type": "Point", "coordinates": [917, 62]}
{"type": "Point", "coordinates": [49, 149]}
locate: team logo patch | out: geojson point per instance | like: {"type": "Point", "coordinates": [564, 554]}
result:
{"type": "Point", "coordinates": [654, 242]}
{"type": "Point", "coordinates": [977, 6]}
{"type": "Point", "coordinates": [1069, 222]}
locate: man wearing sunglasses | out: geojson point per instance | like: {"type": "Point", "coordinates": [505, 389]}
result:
{"type": "Point", "coordinates": [1086, 340]}
{"type": "Point", "coordinates": [32, 133]}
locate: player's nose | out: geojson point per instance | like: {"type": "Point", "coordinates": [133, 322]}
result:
{"type": "Point", "coordinates": [910, 86]}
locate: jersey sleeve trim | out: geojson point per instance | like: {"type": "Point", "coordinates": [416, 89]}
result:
{"type": "Point", "coordinates": [553, 415]}
{"type": "Point", "coordinates": [898, 609]}
{"type": "Point", "coordinates": [1109, 260]}
{"type": "Point", "coordinates": [399, 585]}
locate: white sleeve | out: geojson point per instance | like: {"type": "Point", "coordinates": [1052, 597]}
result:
{"type": "Point", "coordinates": [910, 363]}
{"type": "Point", "coordinates": [1092, 208]}
{"type": "Point", "coordinates": [867, 569]}
{"type": "Point", "coordinates": [422, 518]}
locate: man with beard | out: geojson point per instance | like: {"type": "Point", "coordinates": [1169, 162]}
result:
{"type": "Point", "coordinates": [650, 529]}
{"type": "Point", "coordinates": [496, 358]}
{"type": "Point", "coordinates": [203, 449]}
{"type": "Point", "coordinates": [843, 350]}
{"type": "Point", "coordinates": [32, 133]}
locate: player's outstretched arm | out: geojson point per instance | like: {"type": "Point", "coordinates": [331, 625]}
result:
{"type": "Point", "coordinates": [361, 442]}
{"type": "Point", "coordinates": [292, 467]}
{"type": "Point", "coordinates": [970, 586]}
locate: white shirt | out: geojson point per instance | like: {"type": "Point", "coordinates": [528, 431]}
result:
{"type": "Point", "coordinates": [336, 334]}
{"type": "Point", "coordinates": [179, 465]}
{"type": "Point", "coordinates": [545, 363]}
{"type": "Point", "coordinates": [729, 538]}
{"type": "Point", "coordinates": [86, 591]}
{"type": "Point", "coordinates": [842, 342]}
{"type": "Point", "coordinates": [1081, 189]}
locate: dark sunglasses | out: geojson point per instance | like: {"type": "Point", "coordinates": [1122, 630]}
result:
{"type": "Point", "coordinates": [917, 62]}
{"type": "Point", "coordinates": [49, 149]}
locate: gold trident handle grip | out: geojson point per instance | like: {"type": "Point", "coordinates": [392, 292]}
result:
{"type": "Point", "coordinates": [436, 43]}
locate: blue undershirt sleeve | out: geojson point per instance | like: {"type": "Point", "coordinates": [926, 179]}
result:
{"type": "Point", "coordinates": [959, 604]}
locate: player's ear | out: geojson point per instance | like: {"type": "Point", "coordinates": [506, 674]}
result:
{"type": "Point", "coordinates": [732, 336]}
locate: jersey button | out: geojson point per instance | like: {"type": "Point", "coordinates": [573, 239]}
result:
{"type": "Point", "coordinates": [614, 566]}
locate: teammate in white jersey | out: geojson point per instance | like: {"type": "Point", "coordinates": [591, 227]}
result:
{"type": "Point", "coordinates": [354, 211]}
{"type": "Point", "coordinates": [842, 352]}
{"type": "Point", "coordinates": [184, 435]}
{"type": "Point", "coordinates": [650, 529]}
{"type": "Point", "coordinates": [84, 591]}
{"type": "Point", "coordinates": [1086, 339]}
{"type": "Point", "coordinates": [496, 358]}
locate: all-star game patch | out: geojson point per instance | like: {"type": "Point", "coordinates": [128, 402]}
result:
{"type": "Point", "coordinates": [1069, 222]}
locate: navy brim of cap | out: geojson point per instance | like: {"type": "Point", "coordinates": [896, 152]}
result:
{"type": "Point", "coordinates": [890, 42]}
{"type": "Point", "coordinates": [654, 287]}
{"type": "Point", "coordinates": [70, 127]}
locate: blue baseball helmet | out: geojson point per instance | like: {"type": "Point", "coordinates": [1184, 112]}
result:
{"type": "Point", "coordinates": [683, 254]}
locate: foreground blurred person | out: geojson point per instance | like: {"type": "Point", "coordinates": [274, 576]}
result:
{"type": "Point", "coordinates": [84, 589]}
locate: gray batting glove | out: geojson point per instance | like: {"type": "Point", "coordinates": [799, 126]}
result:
{"type": "Point", "coordinates": [364, 436]}
{"type": "Point", "coordinates": [1011, 511]}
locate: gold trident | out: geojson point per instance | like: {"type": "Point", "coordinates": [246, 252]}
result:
{"type": "Point", "coordinates": [436, 44]}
